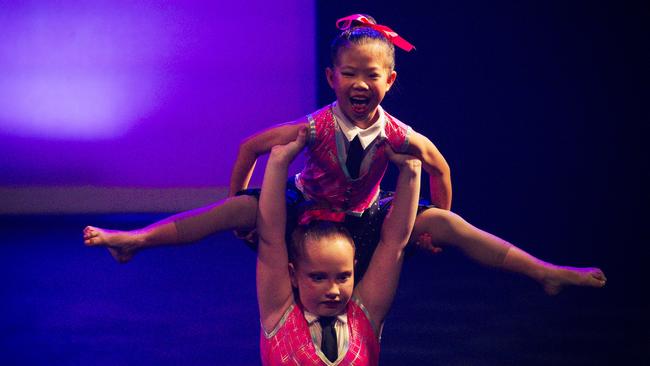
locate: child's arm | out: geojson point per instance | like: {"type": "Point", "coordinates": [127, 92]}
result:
{"type": "Point", "coordinates": [378, 286]}
{"type": "Point", "coordinates": [258, 144]}
{"type": "Point", "coordinates": [436, 167]}
{"type": "Point", "coordinates": [274, 291]}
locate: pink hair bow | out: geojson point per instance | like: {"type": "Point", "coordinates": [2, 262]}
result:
{"type": "Point", "coordinates": [346, 23]}
{"type": "Point", "coordinates": [320, 215]}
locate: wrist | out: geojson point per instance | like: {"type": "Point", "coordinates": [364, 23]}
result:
{"type": "Point", "coordinates": [410, 166]}
{"type": "Point", "coordinates": [278, 161]}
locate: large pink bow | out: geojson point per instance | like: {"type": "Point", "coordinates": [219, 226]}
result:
{"type": "Point", "coordinates": [320, 215]}
{"type": "Point", "coordinates": [346, 23]}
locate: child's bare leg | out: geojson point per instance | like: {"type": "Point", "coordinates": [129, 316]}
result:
{"type": "Point", "coordinates": [446, 228]}
{"type": "Point", "coordinates": [551, 276]}
{"type": "Point", "coordinates": [232, 213]}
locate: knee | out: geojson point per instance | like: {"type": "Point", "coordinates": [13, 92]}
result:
{"type": "Point", "coordinates": [243, 202]}
{"type": "Point", "coordinates": [441, 224]}
{"type": "Point", "coordinates": [247, 208]}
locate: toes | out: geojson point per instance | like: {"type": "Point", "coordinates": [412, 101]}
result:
{"type": "Point", "coordinates": [89, 232]}
{"type": "Point", "coordinates": [91, 240]}
{"type": "Point", "coordinates": [599, 275]}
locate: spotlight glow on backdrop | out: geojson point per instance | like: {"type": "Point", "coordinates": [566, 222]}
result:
{"type": "Point", "coordinates": [76, 73]}
{"type": "Point", "coordinates": [148, 93]}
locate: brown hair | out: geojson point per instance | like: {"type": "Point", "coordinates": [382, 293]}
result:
{"type": "Point", "coordinates": [316, 230]}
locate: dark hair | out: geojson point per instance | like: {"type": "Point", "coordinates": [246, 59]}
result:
{"type": "Point", "coordinates": [316, 230]}
{"type": "Point", "coordinates": [358, 34]}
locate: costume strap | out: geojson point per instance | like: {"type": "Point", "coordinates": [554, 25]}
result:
{"type": "Point", "coordinates": [346, 23]}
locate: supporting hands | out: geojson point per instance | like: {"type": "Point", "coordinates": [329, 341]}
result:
{"type": "Point", "coordinates": [284, 154]}
{"type": "Point", "coordinates": [378, 286]}
{"type": "Point", "coordinates": [400, 160]}
{"type": "Point", "coordinates": [271, 212]}
{"type": "Point", "coordinates": [405, 201]}
{"type": "Point", "coordinates": [260, 144]}
{"type": "Point", "coordinates": [424, 240]}
{"type": "Point", "coordinates": [274, 291]}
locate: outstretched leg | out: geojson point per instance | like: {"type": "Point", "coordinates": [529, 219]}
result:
{"type": "Point", "coordinates": [444, 227]}
{"type": "Point", "coordinates": [230, 214]}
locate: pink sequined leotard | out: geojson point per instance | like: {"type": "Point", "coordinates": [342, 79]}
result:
{"type": "Point", "coordinates": [290, 343]}
{"type": "Point", "coordinates": [325, 179]}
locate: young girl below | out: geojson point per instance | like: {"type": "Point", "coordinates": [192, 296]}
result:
{"type": "Point", "coordinates": [310, 311]}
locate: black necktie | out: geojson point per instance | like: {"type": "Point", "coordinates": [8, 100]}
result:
{"type": "Point", "coordinates": [355, 155]}
{"type": "Point", "coordinates": [328, 337]}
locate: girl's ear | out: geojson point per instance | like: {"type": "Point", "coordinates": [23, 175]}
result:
{"type": "Point", "coordinates": [391, 79]}
{"type": "Point", "coordinates": [329, 75]}
{"type": "Point", "coordinates": [292, 275]}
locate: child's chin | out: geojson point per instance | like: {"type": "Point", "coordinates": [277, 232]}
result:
{"type": "Point", "coordinates": [326, 310]}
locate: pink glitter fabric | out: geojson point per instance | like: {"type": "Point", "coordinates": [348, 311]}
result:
{"type": "Point", "coordinates": [291, 344]}
{"type": "Point", "coordinates": [325, 179]}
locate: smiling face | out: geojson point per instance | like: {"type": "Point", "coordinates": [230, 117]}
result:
{"type": "Point", "coordinates": [361, 77]}
{"type": "Point", "coordinates": [324, 274]}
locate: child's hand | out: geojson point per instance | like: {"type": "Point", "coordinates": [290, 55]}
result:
{"type": "Point", "coordinates": [424, 242]}
{"type": "Point", "coordinates": [400, 160]}
{"type": "Point", "coordinates": [286, 153]}
{"type": "Point", "coordinates": [250, 236]}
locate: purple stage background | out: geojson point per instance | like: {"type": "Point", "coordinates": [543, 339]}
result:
{"type": "Point", "coordinates": [147, 94]}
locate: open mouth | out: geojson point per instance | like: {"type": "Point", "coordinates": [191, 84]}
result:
{"type": "Point", "coordinates": [359, 104]}
{"type": "Point", "coordinates": [359, 100]}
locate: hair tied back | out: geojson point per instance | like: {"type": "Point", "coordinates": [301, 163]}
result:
{"type": "Point", "coordinates": [360, 19]}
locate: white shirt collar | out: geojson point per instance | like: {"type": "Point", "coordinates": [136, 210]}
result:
{"type": "Point", "coordinates": [311, 318]}
{"type": "Point", "coordinates": [349, 130]}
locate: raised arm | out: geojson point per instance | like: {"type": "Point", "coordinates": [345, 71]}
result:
{"type": "Point", "coordinates": [274, 291]}
{"type": "Point", "coordinates": [258, 144]}
{"type": "Point", "coordinates": [378, 286]}
{"type": "Point", "coordinates": [436, 167]}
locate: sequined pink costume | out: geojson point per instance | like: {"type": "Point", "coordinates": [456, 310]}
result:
{"type": "Point", "coordinates": [291, 343]}
{"type": "Point", "coordinates": [325, 178]}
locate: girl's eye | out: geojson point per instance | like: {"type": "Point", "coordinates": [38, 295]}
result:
{"type": "Point", "coordinates": [317, 277]}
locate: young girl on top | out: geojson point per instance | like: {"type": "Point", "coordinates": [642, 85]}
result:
{"type": "Point", "coordinates": [345, 163]}
{"type": "Point", "coordinates": [311, 312]}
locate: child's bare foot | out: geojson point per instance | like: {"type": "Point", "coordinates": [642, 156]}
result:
{"type": "Point", "coordinates": [559, 277]}
{"type": "Point", "coordinates": [121, 244]}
